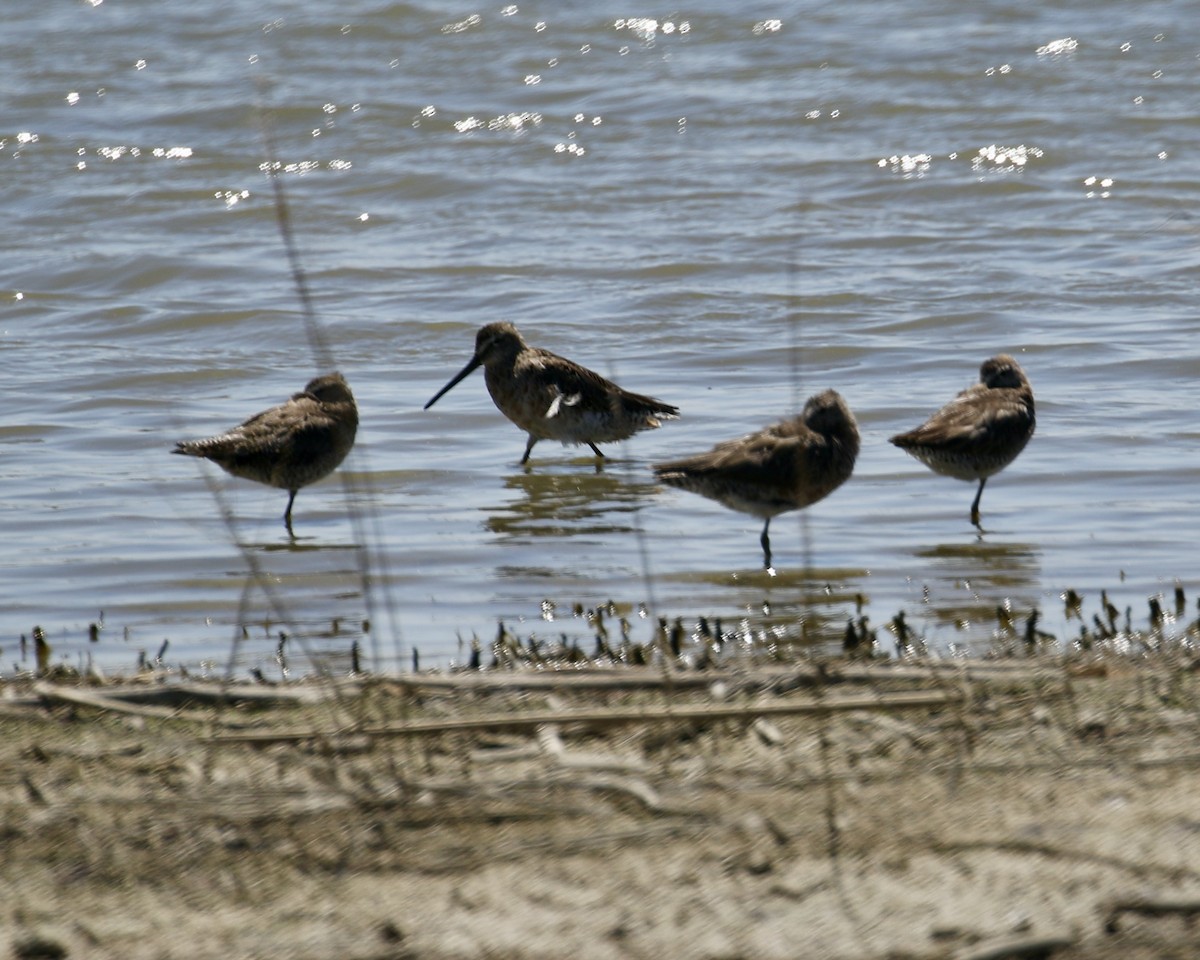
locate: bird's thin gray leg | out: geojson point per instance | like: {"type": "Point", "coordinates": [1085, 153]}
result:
{"type": "Point", "coordinates": [528, 448]}
{"type": "Point", "coordinates": [975, 505]}
{"type": "Point", "coordinates": [595, 450]}
{"type": "Point", "coordinates": [766, 545]}
{"type": "Point", "coordinates": [287, 514]}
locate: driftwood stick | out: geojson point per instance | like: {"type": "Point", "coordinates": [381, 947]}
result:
{"type": "Point", "coordinates": [638, 790]}
{"type": "Point", "coordinates": [1035, 848]}
{"type": "Point", "coordinates": [87, 698]}
{"type": "Point", "coordinates": [1029, 948]}
{"type": "Point", "coordinates": [193, 692]}
{"type": "Point", "coordinates": [586, 679]}
{"type": "Point", "coordinates": [638, 678]}
{"type": "Point", "coordinates": [616, 716]}
{"type": "Point", "coordinates": [251, 694]}
{"type": "Point", "coordinates": [1186, 907]}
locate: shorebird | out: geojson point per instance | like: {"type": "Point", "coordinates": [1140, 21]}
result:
{"type": "Point", "coordinates": [291, 445]}
{"type": "Point", "coordinates": [979, 432]}
{"type": "Point", "coordinates": [552, 398]}
{"type": "Point", "coordinates": [787, 466]}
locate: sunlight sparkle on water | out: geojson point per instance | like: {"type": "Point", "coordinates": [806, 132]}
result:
{"type": "Point", "coordinates": [908, 165]}
{"type": "Point", "coordinates": [508, 122]}
{"type": "Point", "coordinates": [1056, 47]}
{"type": "Point", "coordinates": [1104, 183]}
{"type": "Point", "coordinates": [646, 28]}
{"type": "Point", "coordinates": [303, 167]}
{"type": "Point", "coordinates": [120, 151]}
{"type": "Point", "coordinates": [472, 21]}
{"type": "Point", "coordinates": [515, 122]}
{"type": "Point", "coordinates": [1004, 159]}
{"type": "Point", "coordinates": [231, 198]}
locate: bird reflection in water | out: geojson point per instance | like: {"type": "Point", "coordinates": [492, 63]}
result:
{"type": "Point", "coordinates": [568, 504]}
{"type": "Point", "coordinates": [795, 613]}
{"type": "Point", "coordinates": [967, 583]}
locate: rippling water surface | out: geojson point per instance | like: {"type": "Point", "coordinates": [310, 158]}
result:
{"type": "Point", "coordinates": [729, 207]}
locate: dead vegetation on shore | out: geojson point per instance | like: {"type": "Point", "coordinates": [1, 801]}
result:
{"type": "Point", "coordinates": [838, 809]}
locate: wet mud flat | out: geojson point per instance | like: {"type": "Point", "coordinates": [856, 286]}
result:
{"type": "Point", "coordinates": [833, 809]}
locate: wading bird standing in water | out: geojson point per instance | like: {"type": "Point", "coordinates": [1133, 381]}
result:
{"type": "Point", "coordinates": [787, 466]}
{"type": "Point", "coordinates": [291, 445]}
{"type": "Point", "coordinates": [552, 398]}
{"type": "Point", "coordinates": [979, 432]}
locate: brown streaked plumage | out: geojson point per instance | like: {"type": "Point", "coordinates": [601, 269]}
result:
{"type": "Point", "coordinates": [787, 466]}
{"type": "Point", "coordinates": [291, 445]}
{"type": "Point", "coordinates": [979, 432]}
{"type": "Point", "coordinates": [552, 398]}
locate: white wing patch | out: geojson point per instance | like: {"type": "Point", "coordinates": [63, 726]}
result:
{"type": "Point", "coordinates": [562, 400]}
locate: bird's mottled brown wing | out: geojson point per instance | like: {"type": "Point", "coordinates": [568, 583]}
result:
{"type": "Point", "coordinates": [977, 418]}
{"type": "Point", "coordinates": [267, 435]}
{"type": "Point", "coordinates": [558, 374]}
{"type": "Point", "coordinates": [272, 431]}
{"type": "Point", "coordinates": [772, 457]}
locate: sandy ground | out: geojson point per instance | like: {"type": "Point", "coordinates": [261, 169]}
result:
{"type": "Point", "coordinates": [875, 811]}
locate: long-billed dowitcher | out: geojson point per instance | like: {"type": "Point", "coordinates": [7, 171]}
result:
{"type": "Point", "coordinates": [787, 466]}
{"type": "Point", "coordinates": [979, 432]}
{"type": "Point", "coordinates": [291, 445]}
{"type": "Point", "coordinates": [552, 398]}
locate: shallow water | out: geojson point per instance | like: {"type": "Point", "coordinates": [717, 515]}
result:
{"type": "Point", "coordinates": [728, 210]}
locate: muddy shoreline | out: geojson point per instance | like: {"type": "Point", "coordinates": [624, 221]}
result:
{"type": "Point", "coordinates": [833, 809]}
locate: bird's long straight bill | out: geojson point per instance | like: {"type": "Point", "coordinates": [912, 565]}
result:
{"type": "Point", "coordinates": [474, 362]}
